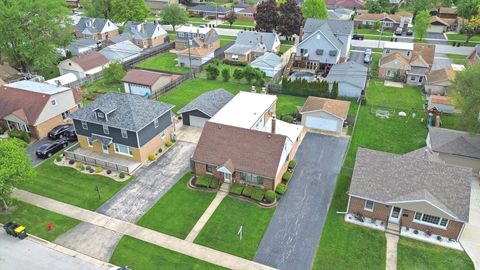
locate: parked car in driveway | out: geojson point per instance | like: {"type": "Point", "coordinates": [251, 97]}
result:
{"type": "Point", "coordinates": [409, 32]}
{"type": "Point", "coordinates": [49, 149]}
{"type": "Point", "coordinates": [70, 134]}
{"type": "Point", "coordinates": [358, 37]}
{"type": "Point", "coordinates": [398, 31]}
{"type": "Point", "coordinates": [58, 132]}
{"type": "Point", "coordinates": [368, 56]}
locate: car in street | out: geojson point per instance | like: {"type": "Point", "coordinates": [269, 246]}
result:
{"type": "Point", "coordinates": [48, 149]}
{"type": "Point", "coordinates": [368, 56]}
{"type": "Point", "coordinates": [70, 134]}
{"type": "Point", "coordinates": [409, 32]}
{"type": "Point", "coordinates": [398, 31]}
{"type": "Point", "coordinates": [58, 132]}
{"type": "Point", "coordinates": [358, 37]}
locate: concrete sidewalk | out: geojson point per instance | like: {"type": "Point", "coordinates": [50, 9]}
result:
{"type": "Point", "coordinates": [470, 238]}
{"type": "Point", "coordinates": [392, 243]}
{"type": "Point", "coordinates": [138, 232]}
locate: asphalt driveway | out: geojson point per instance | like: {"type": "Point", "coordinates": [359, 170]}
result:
{"type": "Point", "coordinates": [131, 203]}
{"type": "Point", "coordinates": [294, 232]}
{"type": "Point", "coordinates": [436, 38]}
{"type": "Point", "coordinates": [32, 148]}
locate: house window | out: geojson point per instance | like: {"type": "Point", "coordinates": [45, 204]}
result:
{"type": "Point", "coordinates": [209, 168]}
{"type": "Point", "coordinates": [105, 129]}
{"type": "Point", "coordinates": [251, 178]}
{"type": "Point", "coordinates": [180, 34]}
{"type": "Point", "coordinates": [388, 24]}
{"type": "Point", "coordinates": [234, 57]}
{"type": "Point", "coordinates": [65, 115]}
{"type": "Point", "coordinates": [430, 220]}
{"type": "Point", "coordinates": [84, 125]}
{"type": "Point", "coordinates": [413, 78]}
{"type": "Point", "coordinates": [90, 142]}
{"type": "Point", "coordinates": [303, 51]}
{"type": "Point", "coordinates": [54, 102]}
{"type": "Point", "coordinates": [124, 133]}
{"type": "Point", "coordinates": [408, 53]}
{"type": "Point", "coordinates": [163, 134]}
{"type": "Point", "coordinates": [122, 149]}
{"type": "Point", "coordinates": [100, 115]}
{"type": "Point", "coordinates": [369, 205]}
{"type": "Point", "coordinates": [155, 123]}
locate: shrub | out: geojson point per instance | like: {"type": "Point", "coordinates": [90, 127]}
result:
{"type": "Point", "coordinates": [121, 175]}
{"type": "Point", "coordinates": [226, 74]}
{"type": "Point", "coordinates": [71, 161]}
{"type": "Point", "coordinates": [19, 134]}
{"type": "Point", "coordinates": [236, 189]}
{"type": "Point", "coordinates": [58, 158]}
{"type": "Point", "coordinates": [78, 165]}
{"type": "Point", "coordinates": [258, 194]}
{"type": "Point", "coordinates": [88, 167]}
{"type": "Point", "coordinates": [415, 231]}
{"type": "Point", "coordinates": [160, 150]}
{"type": "Point", "coordinates": [234, 63]}
{"type": "Point", "coordinates": [287, 176]}
{"type": "Point", "coordinates": [439, 238]}
{"type": "Point", "coordinates": [288, 118]}
{"type": "Point", "coordinates": [215, 183]}
{"type": "Point", "coordinates": [212, 72]}
{"type": "Point", "coordinates": [168, 143]}
{"type": "Point", "coordinates": [109, 171]}
{"type": "Point", "coordinates": [82, 168]}
{"type": "Point", "coordinates": [281, 189]}
{"type": "Point", "coordinates": [152, 157]}
{"type": "Point", "coordinates": [292, 164]}
{"type": "Point", "coordinates": [270, 196]}
{"type": "Point", "coordinates": [203, 180]}
{"type": "Point", "coordinates": [247, 191]}
{"type": "Point", "coordinates": [2, 129]}
{"type": "Point", "coordinates": [91, 170]}
{"type": "Point", "coordinates": [98, 169]}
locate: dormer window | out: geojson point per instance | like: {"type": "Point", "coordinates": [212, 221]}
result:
{"type": "Point", "coordinates": [124, 133]}
{"type": "Point", "coordinates": [100, 115]}
{"type": "Point", "coordinates": [84, 125]}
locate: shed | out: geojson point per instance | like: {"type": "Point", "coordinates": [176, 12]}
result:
{"type": "Point", "coordinates": [351, 77]}
{"type": "Point", "coordinates": [201, 109]}
{"type": "Point", "coordinates": [269, 63]}
{"type": "Point", "coordinates": [324, 114]}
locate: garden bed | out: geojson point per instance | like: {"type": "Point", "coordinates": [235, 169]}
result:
{"type": "Point", "coordinates": [365, 221]}
{"type": "Point", "coordinates": [430, 238]}
{"type": "Point", "coordinates": [192, 185]}
{"type": "Point", "coordinates": [161, 151]}
{"type": "Point", "coordinates": [87, 169]}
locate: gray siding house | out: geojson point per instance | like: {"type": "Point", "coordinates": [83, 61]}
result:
{"type": "Point", "coordinates": [351, 77]}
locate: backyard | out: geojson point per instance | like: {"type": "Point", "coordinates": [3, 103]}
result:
{"type": "Point", "coordinates": [163, 62]}
{"type": "Point", "coordinates": [221, 230]}
{"type": "Point", "coordinates": [138, 254]}
{"type": "Point", "coordinates": [178, 210]}
{"type": "Point", "coordinates": [70, 186]}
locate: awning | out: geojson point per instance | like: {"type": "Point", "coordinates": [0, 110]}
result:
{"type": "Point", "coordinates": [103, 139]}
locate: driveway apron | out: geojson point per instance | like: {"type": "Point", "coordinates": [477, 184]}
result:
{"type": "Point", "coordinates": [294, 232]}
{"type": "Point", "coordinates": [131, 203]}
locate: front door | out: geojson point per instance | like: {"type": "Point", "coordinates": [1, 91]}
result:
{"type": "Point", "coordinates": [395, 215]}
{"type": "Point", "coordinates": [227, 177]}
{"type": "Point", "coordinates": [105, 148]}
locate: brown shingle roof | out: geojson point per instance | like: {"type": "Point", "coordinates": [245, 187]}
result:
{"type": "Point", "coordinates": [142, 77]}
{"type": "Point", "coordinates": [437, 20]}
{"type": "Point", "coordinates": [441, 100]}
{"type": "Point", "coordinates": [246, 150]}
{"type": "Point", "coordinates": [447, 10]}
{"type": "Point", "coordinates": [249, 9]}
{"type": "Point", "coordinates": [26, 105]}
{"type": "Point", "coordinates": [196, 51]}
{"type": "Point", "coordinates": [395, 56]}
{"type": "Point", "coordinates": [427, 51]}
{"type": "Point", "coordinates": [441, 75]}
{"type": "Point", "coordinates": [90, 60]}
{"type": "Point", "coordinates": [380, 16]}
{"type": "Point", "coordinates": [336, 107]}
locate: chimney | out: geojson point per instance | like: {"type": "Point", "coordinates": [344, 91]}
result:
{"type": "Point", "coordinates": [274, 123]}
{"type": "Point", "coordinates": [264, 90]}
{"type": "Point", "coordinates": [253, 89]}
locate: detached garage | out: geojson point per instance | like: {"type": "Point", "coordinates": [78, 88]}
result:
{"type": "Point", "coordinates": [437, 25]}
{"type": "Point", "coordinates": [325, 115]}
{"type": "Point", "coordinates": [201, 109]}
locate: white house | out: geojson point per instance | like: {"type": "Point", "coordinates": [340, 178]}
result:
{"type": "Point", "coordinates": [84, 65]}
{"type": "Point", "coordinates": [269, 63]}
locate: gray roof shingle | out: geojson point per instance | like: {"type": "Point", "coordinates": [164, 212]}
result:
{"type": "Point", "coordinates": [130, 112]}
{"type": "Point", "coordinates": [253, 39]}
{"type": "Point", "coordinates": [96, 25]}
{"type": "Point", "coordinates": [387, 177]}
{"type": "Point", "coordinates": [339, 27]}
{"type": "Point", "coordinates": [209, 8]}
{"type": "Point", "coordinates": [209, 102]}
{"type": "Point", "coordinates": [350, 72]}
{"type": "Point", "coordinates": [454, 142]}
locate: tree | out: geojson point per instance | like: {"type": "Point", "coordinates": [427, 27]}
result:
{"type": "Point", "coordinates": [174, 15]}
{"type": "Point", "coordinates": [315, 9]}
{"type": "Point", "coordinates": [129, 10]}
{"type": "Point", "coordinates": [238, 74]}
{"type": "Point", "coordinates": [374, 7]}
{"type": "Point", "coordinates": [226, 74]}
{"type": "Point", "coordinates": [249, 73]}
{"type": "Point", "coordinates": [32, 30]}
{"type": "Point", "coordinates": [97, 8]}
{"type": "Point", "coordinates": [259, 75]}
{"type": "Point", "coordinates": [266, 16]}
{"type": "Point", "coordinates": [467, 97]}
{"type": "Point", "coordinates": [334, 92]}
{"type": "Point", "coordinates": [15, 167]}
{"type": "Point", "coordinates": [422, 22]}
{"type": "Point", "coordinates": [377, 25]}
{"type": "Point", "coordinates": [290, 18]}
{"type": "Point", "coordinates": [114, 73]}
{"type": "Point", "coordinates": [420, 5]}
{"type": "Point", "coordinates": [212, 72]}
{"type": "Point", "coordinates": [469, 9]}
{"type": "Point", "coordinates": [230, 17]}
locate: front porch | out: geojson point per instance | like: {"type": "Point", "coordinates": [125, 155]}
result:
{"type": "Point", "coordinates": [101, 160]}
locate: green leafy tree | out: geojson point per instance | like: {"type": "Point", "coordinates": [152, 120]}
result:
{"type": "Point", "coordinates": [238, 74]}
{"type": "Point", "coordinates": [249, 73]}
{"type": "Point", "coordinates": [97, 8]}
{"type": "Point", "coordinates": [174, 15]}
{"type": "Point", "coordinates": [129, 10]}
{"type": "Point", "coordinates": [315, 9]}
{"type": "Point", "coordinates": [374, 6]}
{"type": "Point", "coordinates": [334, 92]}
{"type": "Point", "coordinates": [259, 75]}
{"type": "Point", "coordinates": [422, 22]}
{"type": "Point", "coordinates": [377, 25]}
{"type": "Point", "coordinates": [266, 17]}
{"type": "Point", "coordinates": [290, 18]}
{"type": "Point", "coordinates": [114, 73]}
{"type": "Point", "coordinates": [212, 72]}
{"type": "Point", "coordinates": [467, 97]}
{"type": "Point", "coordinates": [226, 74]}
{"type": "Point", "coordinates": [15, 167]}
{"type": "Point", "coordinates": [420, 5]}
{"type": "Point", "coordinates": [469, 9]}
{"type": "Point", "coordinates": [31, 30]}
{"type": "Point", "coordinates": [230, 17]}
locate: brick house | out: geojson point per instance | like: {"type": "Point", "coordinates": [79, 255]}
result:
{"type": "Point", "coordinates": [37, 107]}
{"type": "Point", "coordinates": [389, 21]}
{"type": "Point", "coordinates": [474, 55]}
{"type": "Point", "coordinates": [244, 142]}
{"type": "Point", "coordinates": [96, 28]}
{"type": "Point", "coordinates": [410, 191]}
{"type": "Point", "coordinates": [251, 44]}
{"type": "Point", "coordinates": [247, 14]}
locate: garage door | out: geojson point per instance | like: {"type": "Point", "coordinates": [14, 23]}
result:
{"type": "Point", "coordinates": [435, 29]}
{"type": "Point", "coordinates": [321, 123]}
{"type": "Point", "coordinates": [197, 121]}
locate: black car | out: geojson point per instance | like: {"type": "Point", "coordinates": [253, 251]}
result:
{"type": "Point", "coordinates": [409, 32]}
{"type": "Point", "coordinates": [70, 134]}
{"type": "Point", "coordinates": [58, 132]}
{"type": "Point", "coordinates": [48, 149]}
{"type": "Point", "coordinates": [358, 37]}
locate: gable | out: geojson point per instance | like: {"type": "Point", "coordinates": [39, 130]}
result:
{"type": "Point", "coordinates": [423, 206]}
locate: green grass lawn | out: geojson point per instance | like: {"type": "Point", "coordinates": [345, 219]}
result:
{"type": "Point", "coordinates": [452, 121]}
{"type": "Point", "coordinates": [415, 255]}
{"type": "Point", "coordinates": [463, 37]}
{"type": "Point", "coordinates": [178, 210]}
{"type": "Point", "coordinates": [367, 31]}
{"type": "Point", "coordinates": [220, 232]}
{"type": "Point", "coordinates": [408, 97]}
{"type": "Point", "coordinates": [374, 65]}
{"type": "Point", "coordinates": [163, 62]}
{"type": "Point", "coordinates": [198, 20]}
{"type": "Point", "coordinates": [242, 23]}
{"type": "Point", "coordinates": [288, 104]}
{"type": "Point", "coordinates": [103, 87]}
{"type": "Point", "coordinates": [458, 59]}
{"type": "Point", "coordinates": [70, 186]}
{"type": "Point", "coordinates": [138, 254]}
{"type": "Point", "coordinates": [284, 47]}
{"type": "Point", "coordinates": [35, 219]}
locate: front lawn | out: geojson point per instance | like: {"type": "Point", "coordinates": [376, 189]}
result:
{"type": "Point", "coordinates": [178, 210]}
{"type": "Point", "coordinates": [463, 38]}
{"type": "Point", "coordinates": [458, 59]}
{"type": "Point", "coordinates": [422, 256]}
{"type": "Point", "coordinates": [406, 98]}
{"type": "Point", "coordinates": [36, 219]}
{"type": "Point", "coordinates": [137, 254]}
{"type": "Point", "coordinates": [368, 31]}
{"type": "Point", "coordinates": [163, 62]}
{"type": "Point", "coordinates": [70, 186]}
{"type": "Point", "coordinates": [221, 230]}
{"type": "Point", "coordinates": [242, 23]}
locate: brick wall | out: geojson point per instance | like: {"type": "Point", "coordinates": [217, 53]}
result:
{"type": "Point", "coordinates": [154, 144]}
{"type": "Point", "coordinates": [380, 211]}
{"type": "Point", "coordinates": [452, 231]}
{"type": "Point", "coordinates": [41, 130]}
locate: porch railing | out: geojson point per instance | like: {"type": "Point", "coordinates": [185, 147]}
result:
{"type": "Point", "coordinates": [70, 154]}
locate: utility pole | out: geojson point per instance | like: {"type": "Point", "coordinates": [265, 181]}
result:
{"type": "Point", "coordinates": [381, 31]}
{"type": "Point", "coordinates": [189, 54]}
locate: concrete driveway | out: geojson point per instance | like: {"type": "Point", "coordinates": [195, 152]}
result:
{"type": "Point", "coordinates": [358, 55]}
{"type": "Point", "coordinates": [470, 237]}
{"type": "Point", "coordinates": [441, 61]}
{"type": "Point", "coordinates": [436, 38]}
{"type": "Point", "coordinates": [189, 134]}
{"type": "Point", "coordinates": [131, 203]}
{"type": "Point", "coordinates": [294, 232]}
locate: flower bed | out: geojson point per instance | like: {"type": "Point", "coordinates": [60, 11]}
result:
{"type": "Point", "coordinates": [206, 181]}
{"type": "Point", "coordinates": [365, 221]}
{"type": "Point", "coordinates": [430, 238]}
{"type": "Point", "coordinates": [88, 169]}
{"type": "Point", "coordinates": [253, 194]}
